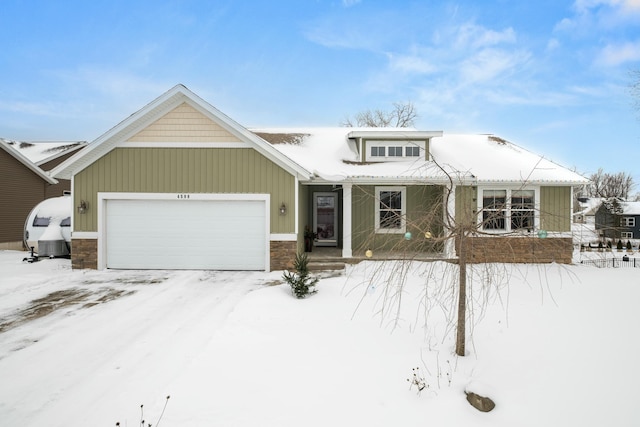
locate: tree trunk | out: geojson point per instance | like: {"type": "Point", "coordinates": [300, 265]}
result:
{"type": "Point", "coordinates": [462, 299]}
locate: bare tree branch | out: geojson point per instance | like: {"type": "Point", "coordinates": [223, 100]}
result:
{"type": "Point", "coordinates": [402, 115]}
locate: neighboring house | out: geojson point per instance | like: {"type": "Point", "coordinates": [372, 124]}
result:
{"type": "Point", "coordinates": [25, 183]}
{"type": "Point", "coordinates": [180, 185]}
{"type": "Point", "coordinates": [617, 219]}
{"type": "Point", "coordinates": [585, 209]}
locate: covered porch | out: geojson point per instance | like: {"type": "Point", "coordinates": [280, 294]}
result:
{"type": "Point", "coordinates": [339, 220]}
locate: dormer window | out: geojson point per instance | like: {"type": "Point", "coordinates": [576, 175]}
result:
{"type": "Point", "coordinates": [392, 145]}
{"type": "Point", "coordinates": [412, 151]}
{"type": "Point", "coordinates": [395, 151]}
{"type": "Point", "coordinates": [378, 152]}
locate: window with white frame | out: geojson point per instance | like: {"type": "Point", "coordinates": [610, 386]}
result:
{"type": "Point", "coordinates": [395, 151]}
{"type": "Point", "coordinates": [390, 209]}
{"type": "Point", "coordinates": [628, 221]}
{"type": "Point", "coordinates": [522, 209]}
{"type": "Point", "coordinates": [494, 209]}
{"type": "Point", "coordinates": [378, 151]}
{"type": "Point", "coordinates": [508, 210]}
{"type": "Point", "coordinates": [412, 151]}
{"type": "Point", "coordinates": [626, 235]}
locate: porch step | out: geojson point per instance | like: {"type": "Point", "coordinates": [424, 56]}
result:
{"type": "Point", "coordinates": [318, 265]}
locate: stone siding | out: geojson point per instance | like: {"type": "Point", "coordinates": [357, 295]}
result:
{"type": "Point", "coordinates": [518, 249]}
{"type": "Point", "coordinates": [282, 254]}
{"type": "Point", "coordinates": [84, 254]}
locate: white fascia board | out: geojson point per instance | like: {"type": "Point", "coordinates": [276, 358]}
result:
{"type": "Point", "coordinates": [394, 134]}
{"type": "Point", "coordinates": [154, 110]}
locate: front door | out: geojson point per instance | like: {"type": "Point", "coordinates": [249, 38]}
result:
{"type": "Point", "coordinates": [325, 218]}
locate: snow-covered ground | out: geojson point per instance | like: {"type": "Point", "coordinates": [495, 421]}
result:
{"type": "Point", "coordinates": [552, 345]}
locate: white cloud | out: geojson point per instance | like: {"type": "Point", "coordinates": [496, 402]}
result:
{"type": "Point", "coordinates": [553, 44]}
{"type": "Point", "coordinates": [490, 64]}
{"type": "Point", "coordinates": [477, 36]}
{"type": "Point", "coordinates": [583, 6]}
{"type": "Point", "coordinates": [613, 55]}
{"type": "Point", "coordinates": [414, 62]}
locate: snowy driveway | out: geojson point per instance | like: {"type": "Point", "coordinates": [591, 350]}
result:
{"type": "Point", "coordinates": [115, 327]}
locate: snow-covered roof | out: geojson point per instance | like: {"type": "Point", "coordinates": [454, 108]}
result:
{"type": "Point", "coordinates": [469, 158]}
{"type": "Point", "coordinates": [630, 208]}
{"type": "Point", "coordinates": [40, 152]}
{"type": "Point", "coordinates": [5, 145]}
{"type": "Point", "coordinates": [157, 108]}
{"type": "Point", "coordinates": [589, 205]}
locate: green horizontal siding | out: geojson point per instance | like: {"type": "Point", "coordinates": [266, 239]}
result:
{"type": "Point", "coordinates": [185, 170]}
{"type": "Point", "coordinates": [555, 208]}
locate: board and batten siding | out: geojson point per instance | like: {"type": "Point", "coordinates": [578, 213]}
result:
{"type": "Point", "coordinates": [185, 170]}
{"type": "Point", "coordinates": [424, 213]}
{"type": "Point", "coordinates": [466, 204]}
{"type": "Point", "coordinates": [555, 206]}
{"type": "Point", "coordinates": [555, 209]}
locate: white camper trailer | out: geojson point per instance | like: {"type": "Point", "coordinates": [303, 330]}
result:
{"type": "Point", "coordinates": [48, 227]}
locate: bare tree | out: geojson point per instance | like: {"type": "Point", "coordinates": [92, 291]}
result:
{"type": "Point", "coordinates": [402, 115]}
{"type": "Point", "coordinates": [610, 185]}
{"type": "Point", "coordinates": [450, 292]}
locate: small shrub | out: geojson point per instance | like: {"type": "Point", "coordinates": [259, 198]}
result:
{"type": "Point", "coordinates": [302, 284]}
{"type": "Point", "coordinates": [619, 245]}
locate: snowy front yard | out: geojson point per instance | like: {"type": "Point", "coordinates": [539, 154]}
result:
{"type": "Point", "coordinates": [552, 345]}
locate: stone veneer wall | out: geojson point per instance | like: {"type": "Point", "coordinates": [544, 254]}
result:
{"type": "Point", "coordinates": [84, 254]}
{"type": "Point", "coordinates": [518, 249]}
{"type": "Point", "coordinates": [283, 254]}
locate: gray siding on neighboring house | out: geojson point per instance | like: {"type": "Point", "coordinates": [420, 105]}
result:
{"type": "Point", "coordinates": [185, 170]}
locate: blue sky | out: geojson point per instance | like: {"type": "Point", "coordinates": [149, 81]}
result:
{"type": "Point", "coordinates": [550, 75]}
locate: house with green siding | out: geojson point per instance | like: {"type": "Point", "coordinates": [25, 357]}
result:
{"type": "Point", "coordinates": [180, 185]}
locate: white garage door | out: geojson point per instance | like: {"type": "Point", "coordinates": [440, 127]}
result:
{"type": "Point", "coordinates": [186, 234]}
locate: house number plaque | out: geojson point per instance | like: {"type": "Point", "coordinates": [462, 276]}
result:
{"type": "Point", "coordinates": [183, 196]}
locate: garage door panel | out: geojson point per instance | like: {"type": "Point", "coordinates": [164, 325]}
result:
{"type": "Point", "coordinates": [193, 234]}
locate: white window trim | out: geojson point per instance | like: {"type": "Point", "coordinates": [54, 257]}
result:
{"type": "Point", "coordinates": [626, 234]}
{"type": "Point", "coordinates": [628, 221]}
{"type": "Point", "coordinates": [402, 144]}
{"type": "Point", "coordinates": [509, 189]}
{"type": "Point", "coordinates": [403, 208]}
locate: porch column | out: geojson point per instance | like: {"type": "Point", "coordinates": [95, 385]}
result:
{"type": "Point", "coordinates": [346, 221]}
{"type": "Point", "coordinates": [450, 210]}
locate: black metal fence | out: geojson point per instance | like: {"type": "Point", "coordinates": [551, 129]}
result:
{"type": "Point", "coordinates": [624, 262]}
